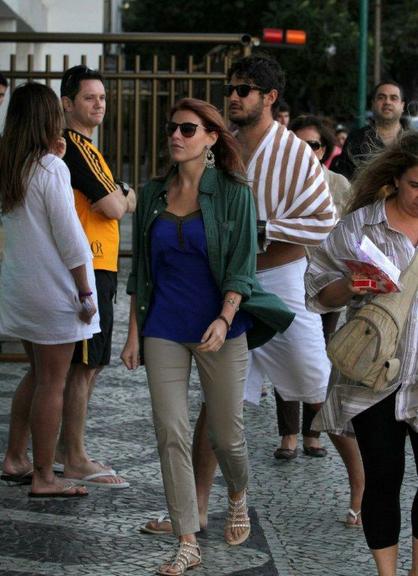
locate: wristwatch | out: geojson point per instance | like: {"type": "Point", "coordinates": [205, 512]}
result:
{"type": "Point", "coordinates": [124, 187]}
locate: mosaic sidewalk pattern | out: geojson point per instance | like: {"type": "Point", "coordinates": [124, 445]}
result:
{"type": "Point", "coordinates": [296, 508]}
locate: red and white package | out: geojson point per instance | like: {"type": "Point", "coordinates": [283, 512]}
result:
{"type": "Point", "coordinates": [373, 265]}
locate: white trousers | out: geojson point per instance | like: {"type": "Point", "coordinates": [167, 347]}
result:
{"type": "Point", "coordinates": [296, 361]}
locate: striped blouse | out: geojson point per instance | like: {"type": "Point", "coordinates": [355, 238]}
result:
{"type": "Point", "coordinates": [346, 398]}
{"type": "Point", "coordinates": [289, 189]}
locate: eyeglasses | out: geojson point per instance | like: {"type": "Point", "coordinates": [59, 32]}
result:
{"type": "Point", "coordinates": [242, 89]}
{"type": "Point", "coordinates": [314, 144]}
{"type": "Point", "coordinates": [187, 129]}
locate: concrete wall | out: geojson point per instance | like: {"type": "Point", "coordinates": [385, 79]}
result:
{"type": "Point", "coordinates": [49, 16]}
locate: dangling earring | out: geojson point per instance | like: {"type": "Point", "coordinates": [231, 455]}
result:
{"type": "Point", "coordinates": [209, 160]}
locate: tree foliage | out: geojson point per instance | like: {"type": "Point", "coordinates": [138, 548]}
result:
{"type": "Point", "coordinates": [322, 76]}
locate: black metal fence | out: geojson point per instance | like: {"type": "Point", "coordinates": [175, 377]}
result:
{"type": "Point", "coordinates": [139, 96]}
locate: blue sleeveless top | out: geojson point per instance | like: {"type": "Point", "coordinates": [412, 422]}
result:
{"type": "Point", "coordinates": [185, 298]}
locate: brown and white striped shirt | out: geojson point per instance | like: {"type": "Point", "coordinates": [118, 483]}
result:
{"type": "Point", "coordinates": [290, 190]}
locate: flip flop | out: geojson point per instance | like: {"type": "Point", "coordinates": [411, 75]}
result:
{"type": "Point", "coordinates": [21, 479]}
{"type": "Point", "coordinates": [63, 494]}
{"type": "Point", "coordinates": [58, 468]}
{"type": "Point", "coordinates": [148, 529]}
{"type": "Point", "coordinates": [89, 480]}
{"type": "Point", "coordinates": [356, 516]}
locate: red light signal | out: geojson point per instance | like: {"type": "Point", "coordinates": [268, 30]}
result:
{"type": "Point", "coordinates": [289, 37]}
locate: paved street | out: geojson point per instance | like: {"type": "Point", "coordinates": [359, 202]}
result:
{"type": "Point", "coordinates": [296, 508]}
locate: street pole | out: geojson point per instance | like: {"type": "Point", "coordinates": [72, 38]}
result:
{"type": "Point", "coordinates": [362, 77]}
{"type": "Point", "coordinates": [377, 40]}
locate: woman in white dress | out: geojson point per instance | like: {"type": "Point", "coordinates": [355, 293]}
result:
{"type": "Point", "coordinates": [47, 289]}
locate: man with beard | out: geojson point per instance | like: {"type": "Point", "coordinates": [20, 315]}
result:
{"type": "Point", "coordinates": [387, 106]}
{"type": "Point", "coordinates": [294, 210]}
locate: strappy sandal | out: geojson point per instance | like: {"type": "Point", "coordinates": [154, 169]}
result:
{"type": "Point", "coordinates": [188, 556]}
{"type": "Point", "coordinates": [356, 516]}
{"type": "Point", "coordinates": [237, 517]}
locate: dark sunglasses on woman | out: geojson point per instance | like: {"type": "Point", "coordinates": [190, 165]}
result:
{"type": "Point", "coordinates": [242, 89]}
{"type": "Point", "coordinates": [314, 144]}
{"type": "Point", "coordinates": [187, 129]}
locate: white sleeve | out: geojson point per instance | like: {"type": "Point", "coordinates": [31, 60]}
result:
{"type": "Point", "coordinates": [65, 225]}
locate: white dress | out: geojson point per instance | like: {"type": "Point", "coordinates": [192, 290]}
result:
{"type": "Point", "coordinates": [44, 240]}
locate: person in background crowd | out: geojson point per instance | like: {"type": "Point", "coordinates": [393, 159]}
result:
{"type": "Point", "coordinates": [341, 134]}
{"type": "Point", "coordinates": [47, 288]}
{"type": "Point", "coordinates": [385, 208]}
{"type": "Point", "coordinates": [194, 294]}
{"type": "Point", "coordinates": [101, 203]}
{"type": "Point", "coordinates": [315, 133]}
{"type": "Point", "coordinates": [387, 125]}
{"type": "Point", "coordinates": [3, 88]}
{"type": "Point", "coordinates": [283, 113]}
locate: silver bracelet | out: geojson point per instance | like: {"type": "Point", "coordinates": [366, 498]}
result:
{"type": "Point", "coordinates": [231, 301]}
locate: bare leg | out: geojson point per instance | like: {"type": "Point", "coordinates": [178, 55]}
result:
{"type": "Point", "coordinates": [77, 464]}
{"type": "Point", "coordinates": [386, 560]}
{"type": "Point", "coordinates": [80, 385]}
{"type": "Point", "coordinates": [16, 459]}
{"type": "Point", "coordinates": [350, 454]}
{"type": "Point", "coordinates": [51, 366]}
{"type": "Point", "coordinates": [348, 449]}
{"type": "Point", "coordinates": [204, 464]}
{"type": "Point", "coordinates": [414, 569]}
{"type": "Point", "coordinates": [289, 442]}
{"type": "Point", "coordinates": [76, 397]}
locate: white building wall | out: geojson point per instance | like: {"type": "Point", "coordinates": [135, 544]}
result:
{"type": "Point", "coordinates": [50, 16]}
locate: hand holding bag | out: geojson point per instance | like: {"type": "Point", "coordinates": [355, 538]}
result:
{"type": "Point", "coordinates": [364, 349]}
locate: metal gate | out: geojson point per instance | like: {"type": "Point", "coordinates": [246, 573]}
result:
{"type": "Point", "coordinates": [138, 96]}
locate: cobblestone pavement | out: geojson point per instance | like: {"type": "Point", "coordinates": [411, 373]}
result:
{"type": "Point", "coordinates": [296, 507]}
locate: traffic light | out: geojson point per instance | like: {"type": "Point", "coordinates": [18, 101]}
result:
{"type": "Point", "coordinates": [282, 37]}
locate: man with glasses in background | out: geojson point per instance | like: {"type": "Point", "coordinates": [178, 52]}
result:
{"type": "Point", "coordinates": [100, 202]}
{"type": "Point", "coordinates": [387, 124]}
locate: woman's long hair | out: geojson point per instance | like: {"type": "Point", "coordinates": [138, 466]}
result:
{"type": "Point", "coordinates": [34, 121]}
{"type": "Point", "coordinates": [375, 180]}
{"type": "Point", "coordinates": [226, 149]}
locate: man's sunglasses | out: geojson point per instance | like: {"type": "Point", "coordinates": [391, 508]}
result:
{"type": "Point", "coordinates": [314, 144]}
{"type": "Point", "coordinates": [242, 89]}
{"type": "Point", "coordinates": [187, 129]}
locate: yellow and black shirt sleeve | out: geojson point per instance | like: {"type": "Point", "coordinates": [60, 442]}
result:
{"type": "Point", "coordinates": [89, 172]}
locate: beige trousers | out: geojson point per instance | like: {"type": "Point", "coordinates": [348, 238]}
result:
{"type": "Point", "coordinates": [222, 376]}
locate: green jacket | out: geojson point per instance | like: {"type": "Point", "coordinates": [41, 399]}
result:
{"type": "Point", "coordinates": [230, 225]}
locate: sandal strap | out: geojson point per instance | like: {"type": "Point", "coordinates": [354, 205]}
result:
{"type": "Point", "coordinates": [237, 516]}
{"type": "Point", "coordinates": [353, 514]}
{"type": "Point", "coordinates": [188, 555]}
{"type": "Point", "coordinates": [163, 517]}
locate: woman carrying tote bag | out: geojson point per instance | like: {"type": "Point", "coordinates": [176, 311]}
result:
{"type": "Point", "coordinates": [384, 208]}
